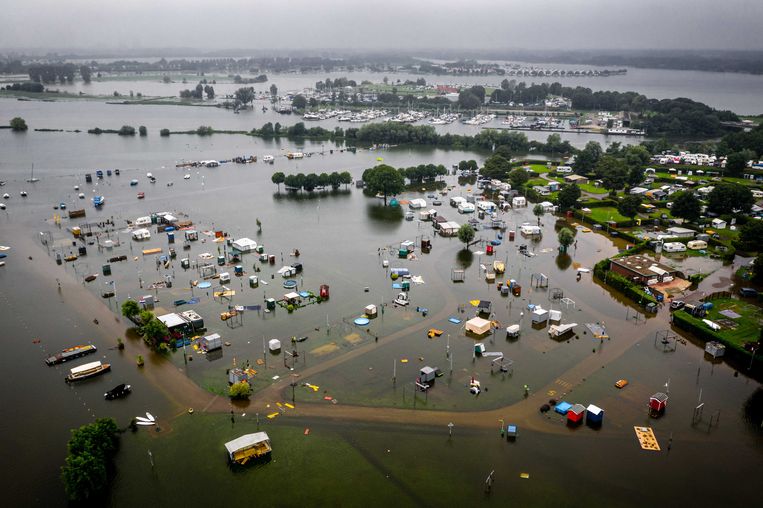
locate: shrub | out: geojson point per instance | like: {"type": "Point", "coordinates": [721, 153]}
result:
{"type": "Point", "coordinates": [142, 130]}
{"type": "Point", "coordinates": [18, 124]}
{"type": "Point", "coordinates": [164, 133]}
{"type": "Point", "coordinates": [240, 390]}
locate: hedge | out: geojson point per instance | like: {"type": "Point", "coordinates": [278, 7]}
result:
{"type": "Point", "coordinates": [633, 291]}
{"type": "Point", "coordinates": [699, 329]}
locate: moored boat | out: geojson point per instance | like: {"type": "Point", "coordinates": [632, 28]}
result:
{"type": "Point", "coordinates": [71, 353]}
{"type": "Point", "coordinates": [87, 370]}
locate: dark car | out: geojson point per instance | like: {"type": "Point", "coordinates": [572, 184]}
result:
{"type": "Point", "coordinates": [118, 392]}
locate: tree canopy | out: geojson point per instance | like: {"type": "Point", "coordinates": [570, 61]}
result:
{"type": "Point", "coordinates": [629, 205]}
{"type": "Point", "coordinates": [466, 234]}
{"type": "Point", "coordinates": [90, 451]}
{"type": "Point", "coordinates": [566, 237]}
{"type": "Point", "coordinates": [18, 124]}
{"type": "Point", "coordinates": [729, 198]}
{"type": "Point", "coordinates": [568, 196]}
{"type": "Point", "coordinates": [686, 206]}
{"type": "Point", "coordinates": [385, 180]}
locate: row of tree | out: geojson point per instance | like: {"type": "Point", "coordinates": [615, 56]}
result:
{"type": "Point", "coordinates": [198, 92]}
{"type": "Point", "coordinates": [311, 181]}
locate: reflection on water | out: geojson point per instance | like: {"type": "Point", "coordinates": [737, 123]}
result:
{"type": "Point", "coordinates": [311, 196]}
{"type": "Point", "coordinates": [384, 216]}
{"type": "Point", "coordinates": [465, 258]}
{"type": "Point", "coordinates": [563, 261]}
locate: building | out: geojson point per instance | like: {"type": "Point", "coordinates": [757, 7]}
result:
{"type": "Point", "coordinates": [185, 323]}
{"type": "Point", "coordinates": [642, 269]}
{"type": "Point", "coordinates": [718, 224]}
{"type": "Point", "coordinates": [245, 245]}
{"type": "Point", "coordinates": [578, 179]}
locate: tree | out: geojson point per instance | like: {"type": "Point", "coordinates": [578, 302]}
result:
{"type": "Point", "coordinates": [240, 390]}
{"type": "Point", "coordinates": [568, 196]}
{"type": "Point", "coordinates": [686, 206]}
{"type": "Point", "coordinates": [130, 308]}
{"type": "Point", "coordinates": [126, 130]}
{"type": "Point", "coordinates": [244, 95]}
{"type": "Point", "coordinates": [736, 163]}
{"type": "Point", "coordinates": [468, 100]}
{"type": "Point", "coordinates": [629, 205]}
{"type": "Point", "coordinates": [518, 178]}
{"type": "Point", "coordinates": [566, 237]}
{"type": "Point", "coordinates": [278, 178]}
{"type": "Point", "coordinates": [345, 178]}
{"type": "Point", "coordinates": [164, 133]}
{"type": "Point", "coordinates": [539, 211]}
{"type": "Point", "coordinates": [299, 102]}
{"type": "Point", "coordinates": [751, 238]}
{"type": "Point", "coordinates": [588, 157]}
{"type": "Point", "coordinates": [210, 91]}
{"type": "Point", "coordinates": [757, 271]}
{"type": "Point", "coordinates": [496, 166]}
{"type": "Point", "coordinates": [153, 330]}
{"type": "Point", "coordinates": [311, 182]}
{"type": "Point", "coordinates": [85, 72]}
{"type": "Point", "coordinates": [612, 171]}
{"type": "Point", "coordinates": [466, 234]}
{"type": "Point", "coordinates": [91, 449]}
{"type": "Point", "coordinates": [273, 92]}
{"type": "Point", "coordinates": [384, 179]}
{"type": "Point", "coordinates": [728, 198]}
{"type": "Point", "coordinates": [18, 124]}
{"type": "Point", "coordinates": [142, 130]}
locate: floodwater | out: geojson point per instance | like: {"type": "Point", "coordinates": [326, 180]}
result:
{"type": "Point", "coordinates": [352, 448]}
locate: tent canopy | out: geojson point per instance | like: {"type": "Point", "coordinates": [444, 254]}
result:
{"type": "Point", "coordinates": [478, 325]}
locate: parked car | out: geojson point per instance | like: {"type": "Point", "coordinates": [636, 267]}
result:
{"type": "Point", "coordinates": [621, 383]}
{"type": "Point", "coordinates": [677, 304]}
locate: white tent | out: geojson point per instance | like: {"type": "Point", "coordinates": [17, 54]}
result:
{"type": "Point", "coordinates": [478, 326]}
{"type": "Point", "coordinates": [244, 245]}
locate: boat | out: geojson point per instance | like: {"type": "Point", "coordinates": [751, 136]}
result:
{"type": "Point", "coordinates": [141, 195]}
{"type": "Point", "coordinates": [186, 177]}
{"type": "Point", "coordinates": [98, 201]}
{"type": "Point", "coordinates": [402, 299]}
{"type": "Point", "coordinates": [150, 416]}
{"type": "Point", "coordinates": [87, 370]}
{"type": "Point", "coordinates": [499, 266]}
{"type": "Point", "coordinates": [2, 206]}
{"type": "Point", "coordinates": [295, 155]}
{"type": "Point", "coordinates": [23, 194]}
{"type": "Point", "coordinates": [268, 158]}
{"type": "Point", "coordinates": [145, 423]}
{"type": "Point", "coordinates": [71, 353]}
{"type": "Point", "coordinates": [62, 206]}
{"type": "Point", "coordinates": [133, 182]}
{"type": "Point", "coordinates": [118, 392]}
{"type": "Point", "coordinates": [248, 447]}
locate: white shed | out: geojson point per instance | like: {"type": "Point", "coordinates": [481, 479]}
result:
{"type": "Point", "coordinates": [245, 245]}
{"type": "Point", "coordinates": [719, 223]}
{"type": "Point", "coordinates": [539, 315]}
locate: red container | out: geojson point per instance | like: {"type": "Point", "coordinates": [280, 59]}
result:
{"type": "Point", "coordinates": [324, 291]}
{"type": "Point", "coordinates": [489, 250]}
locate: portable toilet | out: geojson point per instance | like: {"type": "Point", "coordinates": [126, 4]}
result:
{"type": "Point", "coordinates": [594, 415]}
{"type": "Point", "coordinates": [270, 304]}
{"type": "Point", "coordinates": [220, 260]}
{"type": "Point", "coordinates": [489, 250]}
{"type": "Point", "coordinates": [406, 285]}
{"type": "Point", "coordinates": [511, 432]}
{"type": "Point", "coordinates": [272, 259]}
{"type": "Point", "coordinates": [82, 250]}
{"type": "Point", "coordinates": [426, 374]}
{"type": "Point", "coordinates": [575, 414]}
{"type": "Point", "coordinates": [259, 249]}
{"type": "Point", "coordinates": [512, 233]}
{"type": "Point", "coordinates": [539, 315]}
{"type": "Point", "coordinates": [297, 267]}
{"type": "Point", "coordinates": [657, 403]}
{"type": "Point", "coordinates": [171, 237]}
{"type": "Point", "coordinates": [238, 270]}
{"type": "Point", "coordinates": [106, 269]}
{"type": "Point", "coordinates": [324, 291]}
{"type": "Point", "coordinates": [224, 278]}
{"type": "Point", "coordinates": [185, 263]}
{"type": "Point", "coordinates": [253, 281]}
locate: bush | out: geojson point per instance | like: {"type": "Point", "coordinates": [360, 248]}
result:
{"type": "Point", "coordinates": [142, 130]}
{"type": "Point", "coordinates": [205, 130]}
{"type": "Point", "coordinates": [164, 133]}
{"type": "Point", "coordinates": [126, 130]}
{"type": "Point", "coordinates": [18, 124]}
{"type": "Point", "coordinates": [240, 390]}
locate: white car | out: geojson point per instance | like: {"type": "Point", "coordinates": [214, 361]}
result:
{"type": "Point", "coordinates": [186, 177]}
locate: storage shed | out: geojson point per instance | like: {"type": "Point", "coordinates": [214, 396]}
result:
{"type": "Point", "coordinates": [427, 374]}
{"type": "Point", "coordinates": [562, 407]}
{"type": "Point", "coordinates": [245, 245]}
{"type": "Point", "coordinates": [594, 415]}
{"type": "Point", "coordinates": [539, 315]}
{"type": "Point", "coordinates": [478, 326]}
{"type": "Point", "coordinates": [657, 403]}
{"type": "Point", "coordinates": [575, 414]}
{"type": "Point", "coordinates": [211, 342]}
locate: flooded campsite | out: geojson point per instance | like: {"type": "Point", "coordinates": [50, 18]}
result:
{"type": "Point", "coordinates": [381, 350]}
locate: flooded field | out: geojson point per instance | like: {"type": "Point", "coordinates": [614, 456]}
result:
{"type": "Point", "coordinates": [370, 429]}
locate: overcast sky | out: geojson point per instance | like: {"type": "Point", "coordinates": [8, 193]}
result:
{"type": "Point", "coordinates": [384, 24]}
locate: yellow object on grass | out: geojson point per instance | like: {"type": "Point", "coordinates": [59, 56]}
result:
{"type": "Point", "coordinates": [273, 415]}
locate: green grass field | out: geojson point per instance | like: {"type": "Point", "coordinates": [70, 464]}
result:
{"type": "Point", "coordinates": [748, 326]}
{"type": "Point", "coordinates": [606, 213]}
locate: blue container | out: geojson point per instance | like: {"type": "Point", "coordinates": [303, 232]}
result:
{"type": "Point", "coordinates": [238, 270]}
{"type": "Point", "coordinates": [171, 237]}
{"type": "Point", "coordinates": [169, 228]}
{"type": "Point", "coordinates": [707, 305]}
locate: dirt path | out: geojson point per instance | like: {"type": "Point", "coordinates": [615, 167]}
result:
{"type": "Point", "coordinates": [181, 391]}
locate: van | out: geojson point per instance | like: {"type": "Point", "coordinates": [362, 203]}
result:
{"type": "Point", "coordinates": [564, 169]}
{"type": "Point", "coordinates": [748, 292]}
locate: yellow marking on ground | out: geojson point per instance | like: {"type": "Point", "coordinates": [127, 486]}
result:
{"type": "Point", "coordinates": [325, 349]}
{"type": "Point", "coordinates": [563, 383]}
{"type": "Point", "coordinates": [646, 439]}
{"type": "Point", "coordinates": [290, 406]}
{"type": "Point", "coordinates": [273, 415]}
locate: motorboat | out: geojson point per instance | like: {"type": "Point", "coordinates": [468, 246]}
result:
{"type": "Point", "coordinates": [98, 201]}
{"type": "Point", "coordinates": [23, 194]}
{"type": "Point", "coordinates": [118, 392]}
{"type": "Point", "coordinates": [141, 195]}
{"type": "Point", "coordinates": [62, 206]}
{"type": "Point", "coordinates": [133, 182]}
{"type": "Point", "coordinates": [268, 158]}
{"type": "Point", "coordinates": [6, 196]}
{"type": "Point", "coordinates": [186, 177]}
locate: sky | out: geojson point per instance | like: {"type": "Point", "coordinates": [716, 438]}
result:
{"type": "Point", "coordinates": [381, 24]}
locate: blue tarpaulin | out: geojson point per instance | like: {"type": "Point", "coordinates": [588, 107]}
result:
{"type": "Point", "coordinates": [454, 320]}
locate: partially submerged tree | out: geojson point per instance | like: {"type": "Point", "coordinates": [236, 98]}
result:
{"type": "Point", "coordinates": [130, 308]}
{"type": "Point", "coordinates": [466, 234]}
{"type": "Point", "coordinates": [539, 212]}
{"type": "Point", "coordinates": [385, 180]}
{"type": "Point", "coordinates": [240, 390]}
{"type": "Point", "coordinates": [278, 178]}
{"type": "Point", "coordinates": [566, 237]}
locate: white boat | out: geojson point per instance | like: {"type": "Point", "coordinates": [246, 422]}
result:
{"type": "Point", "coordinates": [2, 206]}
{"type": "Point", "coordinates": [81, 195]}
{"type": "Point", "coordinates": [268, 158]}
{"type": "Point", "coordinates": [23, 194]}
{"type": "Point", "coordinates": [402, 299]}
{"type": "Point", "coordinates": [186, 177]}
{"type": "Point", "coordinates": [145, 423]}
{"type": "Point", "coordinates": [150, 416]}
{"type": "Point", "coordinates": [142, 419]}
